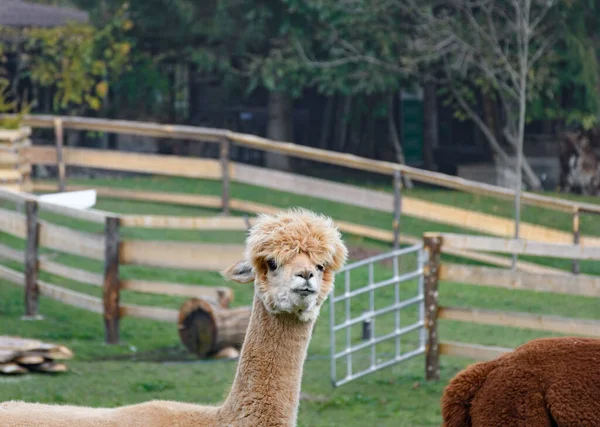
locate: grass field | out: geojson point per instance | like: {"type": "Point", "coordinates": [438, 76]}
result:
{"type": "Point", "coordinates": [150, 363]}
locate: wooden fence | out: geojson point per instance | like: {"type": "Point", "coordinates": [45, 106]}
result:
{"type": "Point", "coordinates": [226, 171]}
{"type": "Point", "coordinates": [113, 251]}
{"type": "Point", "coordinates": [569, 284]}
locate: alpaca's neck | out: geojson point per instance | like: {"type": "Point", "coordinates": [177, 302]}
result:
{"type": "Point", "coordinates": [266, 389]}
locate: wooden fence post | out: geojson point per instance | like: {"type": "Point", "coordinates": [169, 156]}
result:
{"type": "Point", "coordinates": [432, 244]}
{"type": "Point", "coordinates": [111, 280]}
{"type": "Point", "coordinates": [576, 236]}
{"type": "Point", "coordinates": [397, 207]}
{"type": "Point", "coordinates": [225, 179]}
{"type": "Point", "coordinates": [31, 261]}
{"type": "Point", "coordinates": [60, 160]}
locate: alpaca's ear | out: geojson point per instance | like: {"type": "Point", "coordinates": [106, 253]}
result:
{"type": "Point", "coordinates": [241, 272]}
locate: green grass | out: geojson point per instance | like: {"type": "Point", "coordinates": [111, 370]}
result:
{"type": "Point", "coordinates": [150, 362]}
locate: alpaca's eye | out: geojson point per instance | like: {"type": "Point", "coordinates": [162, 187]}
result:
{"type": "Point", "coordinates": [272, 264]}
{"type": "Point", "coordinates": [320, 268]}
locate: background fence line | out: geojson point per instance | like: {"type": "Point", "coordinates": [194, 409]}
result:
{"type": "Point", "coordinates": [436, 271]}
{"type": "Point", "coordinates": [114, 251]}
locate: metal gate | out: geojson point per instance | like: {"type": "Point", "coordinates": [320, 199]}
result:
{"type": "Point", "coordinates": [382, 309]}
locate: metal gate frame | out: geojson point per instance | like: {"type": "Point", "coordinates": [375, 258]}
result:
{"type": "Point", "coordinates": [395, 307]}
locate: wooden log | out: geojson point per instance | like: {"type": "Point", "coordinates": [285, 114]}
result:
{"type": "Point", "coordinates": [30, 359]}
{"type": "Point", "coordinates": [8, 355]}
{"type": "Point", "coordinates": [205, 329]}
{"type": "Point", "coordinates": [12, 369]}
{"type": "Point", "coordinates": [10, 175]}
{"type": "Point", "coordinates": [18, 344]}
{"type": "Point", "coordinates": [111, 281]}
{"type": "Point", "coordinates": [432, 246]}
{"type": "Point", "coordinates": [14, 135]}
{"type": "Point", "coordinates": [31, 260]}
{"type": "Point", "coordinates": [49, 367]}
{"type": "Point", "coordinates": [227, 353]}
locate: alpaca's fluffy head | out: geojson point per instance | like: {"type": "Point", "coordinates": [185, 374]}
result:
{"type": "Point", "coordinates": [292, 257]}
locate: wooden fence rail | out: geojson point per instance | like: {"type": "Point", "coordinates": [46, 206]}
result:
{"type": "Point", "coordinates": [472, 351]}
{"type": "Point", "coordinates": [191, 256]}
{"type": "Point", "coordinates": [255, 208]}
{"type": "Point", "coordinates": [113, 251]}
{"type": "Point", "coordinates": [188, 167]}
{"type": "Point", "coordinates": [520, 247]}
{"type": "Point", "coordinates": [573, 284]}
{"type": "Point", "coordinates": [562, 325]}
{"type": "Point", "coordinates": [309, 153]}
{"type": "Point", "coordinates": [579, 284]}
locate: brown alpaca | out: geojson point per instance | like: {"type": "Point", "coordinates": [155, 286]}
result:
{"type": "Point", "coordinates": [544, 383]}
{"type": "Point", "coordinates": [292, 259]}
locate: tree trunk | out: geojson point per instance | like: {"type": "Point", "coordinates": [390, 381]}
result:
{"type": "Point", "coordinates": [194, 91]}
{"type": "Point", "coordinates": [344, 123]}
{"type": "Point", "coordinates": [395, 140]}
{"type": "Point", "coordinates": [430, 124]}
{"type": "Point", "coordinates": [326, 124]}
{"type": "Point", "coordinates": [280, 128]}
{"type": "Point", "coordinates": [500, 156]}
{"type": "Point", "coordinates": [530, 177]}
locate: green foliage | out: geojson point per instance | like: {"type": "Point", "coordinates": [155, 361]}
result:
{"type": "Point", "coordinates": [11, 107]}
{"type": "Point", "coordinates": [78, 59]}
{"type": "Point", "coordinates": [568, 81]}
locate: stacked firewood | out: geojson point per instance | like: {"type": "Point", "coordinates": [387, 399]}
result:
{"type": "Point", "coordinates": [21, 356]}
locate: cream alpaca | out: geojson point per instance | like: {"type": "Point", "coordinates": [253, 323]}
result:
{"type": "Point", "coordinates": [292, 259]}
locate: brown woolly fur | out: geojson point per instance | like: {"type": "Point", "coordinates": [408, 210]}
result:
{"type": "Point", "coordinates": [545, 383]}
{"type": "Point", "coordinates": [292, 259]}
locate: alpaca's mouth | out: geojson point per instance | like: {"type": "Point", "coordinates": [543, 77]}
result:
{"type": "Point", "coordinates": [305, 291]}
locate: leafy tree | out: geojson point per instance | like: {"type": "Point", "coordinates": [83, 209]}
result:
{"type": "Point", "coordinates": [77, 60]}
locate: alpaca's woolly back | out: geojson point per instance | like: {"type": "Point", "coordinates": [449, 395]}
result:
{"type": "Point", "coordinates": [546, 382]}
{"type": "Point", "coordinates": [458, 395]}
{"type": "Point", "coordinates": [158, 413]}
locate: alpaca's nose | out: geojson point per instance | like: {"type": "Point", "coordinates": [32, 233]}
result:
{"type": "Point", "coordinates": [305, 274]}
